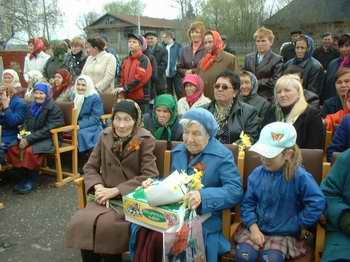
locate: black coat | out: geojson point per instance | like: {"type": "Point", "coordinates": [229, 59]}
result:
{"type": "Point", "coordinates": [243, 117]}
{"type": "Point", "coordinates": [74, 63]}
{"type": "Point", "coordinates": [50, 117]}
{"type": "Point", "coordinates": [267, 72]}
{"type": "Point", "coordinates": [313, 74]}
{"type": "Point", "coordinates": [309, 127]}
{"type": "Point", "coordinates": [288, 51]}
{"type": "Point", "coordinates": [188, 60]}
{"type": "Point", "coordinates": [331, 106]}
{"type": "Point", "coordinates": [161, 55]}
{"type": "Point", "coordinates": [325, 57]}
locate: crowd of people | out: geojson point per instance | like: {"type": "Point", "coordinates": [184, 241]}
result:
{"type": "Point", "coordinates": [198, 94]}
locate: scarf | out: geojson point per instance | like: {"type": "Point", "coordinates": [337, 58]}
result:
{"type": "Point", "coordinates": [119, 143]}
{"type": "Point", "coordinates": [36, 108]}
{"type": "Point", "coordinates": [344, 62]}
{"type": "Point", "coordinates": [90, 90]}
{"type": "Point", "coordinates": [38, 47]}
{"type": "Point", "coordinates": [197, 81]}
{"type": "Point", "coordinates": [254, 91]}
{"type": "Point", "coordinates": [159, 131]}
{"type": "Point", "coordinates": [15, 81]}
{"type": "Point", "coordinates": [58, 90]}
{"type": "Point", "coordinates": [309, 51]}
{"type": "Point", "coordinates": [222, 114]}
{"type": "Point", "coordinates": [209, 58]}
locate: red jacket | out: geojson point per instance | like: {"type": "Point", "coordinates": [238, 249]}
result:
{"type": "Point", "coordinates": [333, 120]}
{"type": "Point", "coordinates": [135, 74]}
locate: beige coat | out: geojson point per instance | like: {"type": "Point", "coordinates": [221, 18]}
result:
{"type": "Point", "coordinates": [183, 106]}
{"type": "Point", "coordinates": [111, 233]}
{"type": "Point", "coordinates": [101, 68]}
{"type": "Point", "coordinates": [223, 61]}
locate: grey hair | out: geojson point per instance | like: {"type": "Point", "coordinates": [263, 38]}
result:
{"type": "Point", "coordinates": [186, 123]}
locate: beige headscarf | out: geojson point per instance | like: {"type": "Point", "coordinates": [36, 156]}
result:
{"type": "Point", "coordinates": [90, 90]}
{"type": "Point", "coordinates": [15, 81]}
{"type": "Point", "coordinates": [301, 104]}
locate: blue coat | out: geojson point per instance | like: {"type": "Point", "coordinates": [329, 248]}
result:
{"type": "Point", "coordinates": [341, 138]}
{"type": "Point", "coordinates": [89, 122]}
{"type": "Point", "coordinates": [336, 187]}
{"type": "Point", "coordinates": [222, 189]}
{"type": "Point", "coordinates": [280, 207]}
{"type": "Point", "coordinates": [11, 118]}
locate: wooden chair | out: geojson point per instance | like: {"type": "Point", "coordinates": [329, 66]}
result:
{"type": "Point", "coordinates": [162, 162]}
{"type": "Point", "coordinates": [68, 145]}
{"type": "Point", "coordinates": [108, 101]}
{"type": "Point", "coordinates": [313, 163]}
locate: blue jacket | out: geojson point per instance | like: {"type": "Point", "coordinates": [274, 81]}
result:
{"type": "Point", "coordinates": [280, 207]}
{"type": "Point", "coordinates": [341, 138]}
{"type": "Point", "coordinates": [89, 122]}
{"type": "Point", "coordinates": [336, 187]}
{"type": "Point", "coordinates": [175, 51]}
{"type": "Point", "coordinates": [11, 118]}
{"type": "Point", "coordinates": [222, 189]}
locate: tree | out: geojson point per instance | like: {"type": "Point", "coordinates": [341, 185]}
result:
{"type": "Point", "coordinates": [86, 19]}
{"type": "Point", "coordinates": [129, 7]}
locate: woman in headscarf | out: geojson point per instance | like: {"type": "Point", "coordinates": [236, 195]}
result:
{"type": "Point", "coordinates": [163, 121]}
{"type": "Point", "coordinates": [43, 115]}
{"type": "Point", "coordinates": [121, 160]}
{"type": "Point", "coordinates": [55, 62]}
{"type": "Point", "coordinates": [10, 78]}
{"type": "Point", "coordinates": [89, 110]}
{"type": "Point", "coordinates": [313, 70]}
{"type": "Point", "coordinates": [62, 90]}
{"type": "Point", "coordinates": [194, 97]}
{"type": "Point", "coordinates": [214, 62]}
{"type": "Point", "coordinates": [249, 93]}
{"type": "Point", "coordinates": [34, 77]}
{"type": "Point", "coordinates": [221, 184]}
{"type": "Point", "coordinates": [36, 58]}
{"type": "Point", "coordinates": [291, 107]}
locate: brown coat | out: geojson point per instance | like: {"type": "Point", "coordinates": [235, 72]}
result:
{"type": "Point", "coordinates": [111, 233]}
{"type": "Point", "coordinates": [223, 61]}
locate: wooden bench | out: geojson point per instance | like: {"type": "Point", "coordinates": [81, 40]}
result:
{"type": "Point", "coordinates": [108, 100]}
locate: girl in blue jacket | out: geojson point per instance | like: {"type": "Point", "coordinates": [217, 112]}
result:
{"type": "Point", "coordinates": [282, 200]}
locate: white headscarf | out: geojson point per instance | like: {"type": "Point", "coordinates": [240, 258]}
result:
{"type": "Point", "coordinates": [15, 81]}
{"type": "Point", "coordinates": [90, 90]}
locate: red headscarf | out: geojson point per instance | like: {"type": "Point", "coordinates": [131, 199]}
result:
{"type": "Point", "coordinates": [197, 81]}
{"type": "Point", "coordinates": [67, 77]}
{"type": "Point", "coordinates": [38, 47]}
{"type": "Point", "coordinates": [218, 47]}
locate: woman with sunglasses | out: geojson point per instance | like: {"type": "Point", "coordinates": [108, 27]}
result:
{"type": "Point", "coordinates": [232, 115]}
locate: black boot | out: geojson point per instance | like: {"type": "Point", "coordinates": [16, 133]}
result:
{"type": "Point", "coordinates": [90, 256]}
{"type": "Point", "coordinates": [28, 184]}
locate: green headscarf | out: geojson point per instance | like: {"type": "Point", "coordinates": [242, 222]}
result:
{"type": "Point", "coordinates": [169, 102]}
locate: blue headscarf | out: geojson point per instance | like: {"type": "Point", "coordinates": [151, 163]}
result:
{"type": "Point", "coordinates": [309, 51]}
{"type": "Point", "coordinates": [36, 107]}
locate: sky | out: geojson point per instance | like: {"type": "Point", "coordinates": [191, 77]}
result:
{"type": "Point", "coordinates": [72, 9]}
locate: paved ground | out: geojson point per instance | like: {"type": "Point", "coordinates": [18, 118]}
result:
{"type": "Point", "coordinates": [32, 226]}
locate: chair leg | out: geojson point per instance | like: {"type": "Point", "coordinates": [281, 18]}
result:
{"type": "Point", "coordinates": [58, 169]}
{"type": "Point", "coordinates": [75, 163]}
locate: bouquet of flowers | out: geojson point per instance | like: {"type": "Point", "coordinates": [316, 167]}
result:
{"type": "Point", "coordinates": [21, 135]}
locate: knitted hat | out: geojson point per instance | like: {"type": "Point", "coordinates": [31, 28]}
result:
{"type": "Point", "coordinates": [205, 118]}
{"type": "Point", "coordinates": [43, 87]}
{"type": "Point", "coordinates": [128, 107]}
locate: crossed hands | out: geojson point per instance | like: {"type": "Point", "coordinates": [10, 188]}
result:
{"type": "Point", "coordinates": [103, 194]}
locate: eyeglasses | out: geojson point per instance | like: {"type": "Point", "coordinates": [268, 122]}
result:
{"type": "Point", "coordinates": [223, 86]}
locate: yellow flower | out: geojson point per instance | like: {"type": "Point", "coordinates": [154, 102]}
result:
{"type": "Point", "coordinates": [245, 141]}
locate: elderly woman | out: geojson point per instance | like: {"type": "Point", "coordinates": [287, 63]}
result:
{"type": "Point", "coordinates": [34, 77]}
{"type": "Point", "coordinates": [61, 88]}
{"type": "Point", "coordinates": [194, 97]}
{"type": "Point", "coordinates": [215, 61]}
{"type": "Point", "coordinates": [312, 68]}
{"type": "Point", "coordinates": [249, 93]}
{"type": "Point", "coordinates": [12, 113]}
{"type": "Point", "coordinates": [291, 107]}
{"type": "Point", "coordinates": [36, 58]}
{"type": "Point", "coordinates": [264, 64]}
{"type": "Point", "coordinates": [56, 61]}
{"type": "Point", "coordinates": [191, 55]}
{"type": "Point", "coordinates": [163, 121]}
{"type": "Point", "coordinates": [89, 110]}
{"type": "Point", "coordinates": [100, 65]}
{"type": "Point", "coordinates": [221, 181]}
{"type": "Point", "coordinates": [231, 114]}
{"type": "Point", "coordinates": [342, 86]}
{"type": "Point", "coordinates": [26, 156]}
{"type": "Point", "coordinates": [121, 160]}
{"type": "Point", "coordinates": [336, 187]}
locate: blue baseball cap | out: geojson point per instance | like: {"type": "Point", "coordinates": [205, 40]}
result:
{"type": "Point", "coordinates": [274, 138]}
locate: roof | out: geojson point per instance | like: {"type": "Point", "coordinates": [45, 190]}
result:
{"type": "Point", "coordinates": [145, 21]}
{"type": "Point", "coordinates": [302, 12]}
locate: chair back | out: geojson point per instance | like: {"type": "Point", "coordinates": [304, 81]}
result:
{"type": "Point", "coordinates": [234, 150]}
{"type": "Point", "coordinates": [159, 150]}
{"type": "Point", "coordinates": [108, 100]}
{"type": "Point", "coordinates": [251, 161]}
{"type": "Point", "coordinates": [313, 162]}
{"type": "Point", "coordinates": [67, 109]}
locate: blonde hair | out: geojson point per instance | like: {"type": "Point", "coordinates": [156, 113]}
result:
{"type": "Point", "coordinates": [290, 80]}
{"type": "Point", "coordinates": [264, 32]}
{"type": "Point", "coordinates": [196, 25]}
{"type": "Point", "coordinates": [292, 164]}
{"type": "Point", "coordinates": [77, 41]}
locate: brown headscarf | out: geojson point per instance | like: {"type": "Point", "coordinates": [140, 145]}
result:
{"type": "Point", "coordinates": [218, 47]}
{"type": "Point", "coordinates": [67, 77]}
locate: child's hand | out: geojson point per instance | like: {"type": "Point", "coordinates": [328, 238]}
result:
{"type": "Point", "coordinates": [256, 236]}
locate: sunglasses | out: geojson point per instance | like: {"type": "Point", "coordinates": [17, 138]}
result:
{"type": "Point", "coordinates": [223, 86]}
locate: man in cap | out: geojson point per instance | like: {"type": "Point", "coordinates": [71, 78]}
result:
{"type": "Point", "coordinates": [326, 52]}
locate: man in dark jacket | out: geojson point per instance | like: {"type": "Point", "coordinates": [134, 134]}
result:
{"type": "Point", "coordinates": [173, 79]}
{"type": "Point", "coordinates": [326, 52]}
{"type": "Point", "coordinates": [161, 56]}
{"type": "Point", "coordinates": [288, 49]}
